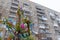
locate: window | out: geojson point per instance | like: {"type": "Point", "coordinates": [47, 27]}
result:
{"type": "Point", "coordinates": [42, 18]}
{"type": "Point", "coordinates": [58, 19]}
{"type": "Point", "coordinates": [39, 15]}
{"type": "Point", "coordinates": [52, 16]}
{"type": "Point", "coordinates": [11, 12]}
{"type": "Point", "coordinates": [55, 24]}
{"type": "Point", "coordinates": [34, 32]}
{"type": "Point", "coordinates": [11, 17]}
{"type": "Point", "coordinates": [40, 12]}
{"type": "Point", "coordinates": [41, 31]}
{"type": "Point", "coordinates": [15, 4]}
{"type": "Point", "coordinates": [25, 4]}
{"type": "Point", "coordinates": [38, 9]}
{"type": "Point", "coordinates": [14, 8]}
{"type": "Point", "coordinates": [49, 38]}
{"type": "Point", "coordinates": [56, 32]}
{"type": "Point", "coordinates": [42, 26]}
{"type": "Point", "coordinates": [47, 31]}
{"type": "Point", "coordinates": [45, 23]}
{"type": "Point", "coordinates": [26, 11]}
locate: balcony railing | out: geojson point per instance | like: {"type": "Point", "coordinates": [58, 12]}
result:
{"type": "Point", "coordinates": [43, 27]}
{"type": "Point", "coordinates": [34, 32]}
{"type": "Point", "coordinates": [14, 8]}
{"type": "Point", "coordinates": [25, 4]}
{"type": "Point", "coordinates": [40, 9]}
{"type": "Point", "coordinates": [13, 12]}
{"type": "Point", "coordinates": [16, 1]}
{"type": "Point", "coordinates": [44, 31]}
{"type": "Point", "coordinates": [43, 18]}
{"type": "Point", "coordinates": [15, 4]}
{"type": "Point", "coordinates": [55, 24]}
{"type": "Point", "coordinates": [12, 16]}
{"type": "Point", "coordinates": [26, 9]}
{"type": "Point", "coordinates": [41, 12]}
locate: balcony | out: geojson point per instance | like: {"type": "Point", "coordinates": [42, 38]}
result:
{"type": "Point", "coordinates": [53, 17]}
{"type": "Point", "coordinates": [41, 12]}
{"type": "Point", "coordinates": [49, 38]}
{"type": "Point", "coordinates": [15, 4]}
{"type": "Point", "coordinates": [25, 4]}
{"type": "Point", "coordinates": [43, 18]}
{"type": "Point", "coordinates": [45, 23]}
{"type": "Point", "coordinates": [26, 14]}
{"type": "Point", "coordinates": [12, 16]}
{"type": "Point", "coordinates": [51, 14]}
{"type": "Point", "coordinates": [42, 31]}
{"type": "Point", "coordinates": [34, 32]}
{"type": "Point", "coordinates": [44, 38]}
{"type": "Point", "coordinates": [58, 21]}
{"type": "Point", "coordinates": [14, 8]}
{"type": "Point", "coordinates": [26, 9]}
{"type": "Point", "coordinates": [40, 9]}
{"type": "Point", "coordinates": [55, 24]}
{"type": "Point", "coordinates": [13, 11]}
{"type": "Point", "coordinates": [47, 27]}
{"type": "Point", "coordinates": [43, 27]}
{"type": "Point", "coordinates": [47, 32]}
{"type": "Point", "coordinates": [39, 15]}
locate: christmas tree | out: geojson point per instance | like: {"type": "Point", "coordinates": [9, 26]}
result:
{"type": "Point", "coordinates": [21, 30]}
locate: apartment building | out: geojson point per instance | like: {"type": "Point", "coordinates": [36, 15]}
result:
{"type": "Point", "coordinates": [46, 21]}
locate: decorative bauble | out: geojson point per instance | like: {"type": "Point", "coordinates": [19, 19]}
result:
{"type": "Point", "coordinates": [22, 26]}
{"type": "Point", "coordinates": [25, 24]}
{"type": "Point", "coordinates": [26, 29]}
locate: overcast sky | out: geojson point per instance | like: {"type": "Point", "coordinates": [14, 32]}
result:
{"type": "Point", "coordinates": [52, 4]}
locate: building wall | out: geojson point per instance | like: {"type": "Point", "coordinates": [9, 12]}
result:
{"type": "Point", "coordinates": [4, 7]}
{"type": "Point", "coordinates": [30, 11]}
{"type": "Point", "coordinates": [13, 9]}
{"type": "Point", "coordinates": [53, 34]}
